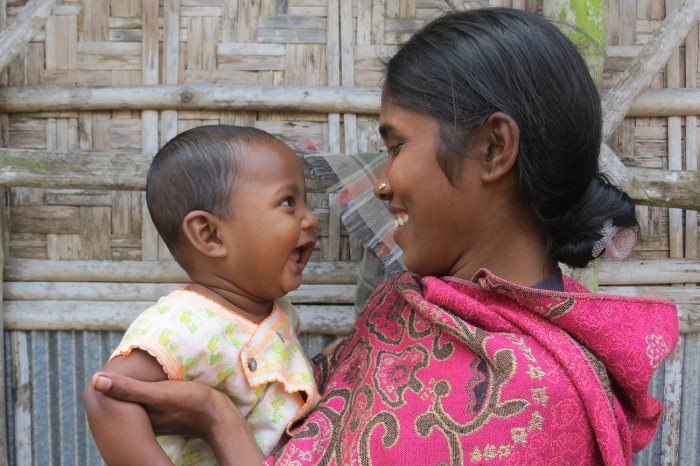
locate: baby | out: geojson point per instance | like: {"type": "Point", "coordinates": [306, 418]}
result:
{"type": "Point", "coordinates": [229, 204]}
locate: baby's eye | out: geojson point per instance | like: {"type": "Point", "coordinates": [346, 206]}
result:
{"type": "Point", "coordinates": [287, 202]}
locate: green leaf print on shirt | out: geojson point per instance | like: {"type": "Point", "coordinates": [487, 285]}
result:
{"type": "Point", "coordinates": [228, 371]}
{"type": "Point", "coordinates": [185, 366]}
{"type": "Point", "coordinates": [230, 332]}
{"type": "Point", "coordinates": [186, 320]}
{"type": "Point", "coordinates": [212, 346]}
{"type": "Point", "coordinates": [164, 337]}
{"type": "Point", "coordinates": [276, 415]}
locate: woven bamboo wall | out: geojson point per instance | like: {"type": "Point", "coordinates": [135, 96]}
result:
{"type": "Point", "coordinates": [81, 262]}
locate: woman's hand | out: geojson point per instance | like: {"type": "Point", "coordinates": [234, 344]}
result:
{"type": "Point", "coordinates": [188, 408]}
{"type": "Point", "coordinates": [330, 348]}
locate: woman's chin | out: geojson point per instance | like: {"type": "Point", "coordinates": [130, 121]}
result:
{"type": "Point", "coordinates": [399, 235]}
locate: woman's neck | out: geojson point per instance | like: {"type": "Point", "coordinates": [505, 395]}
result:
{"type": "Point", "coordinates": [516, 254]}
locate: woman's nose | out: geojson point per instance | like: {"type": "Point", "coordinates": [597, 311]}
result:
{"type": "Point", "coordinates": [382, 189]}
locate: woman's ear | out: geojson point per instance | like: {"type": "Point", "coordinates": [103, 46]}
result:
{"type": "Point", "coordinates": [201, 232]}
{"type": "Point", "coordinates": [503, 138]}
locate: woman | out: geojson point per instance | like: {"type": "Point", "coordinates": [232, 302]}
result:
{"type": "Point", "coordinates": [482, 352]}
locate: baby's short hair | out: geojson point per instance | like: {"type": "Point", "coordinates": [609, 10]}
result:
{"type": "Point", "coordinates": [196, 170]}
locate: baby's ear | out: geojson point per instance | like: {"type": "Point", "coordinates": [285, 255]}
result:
{"type": "Point", "coordinates": [201, 232]}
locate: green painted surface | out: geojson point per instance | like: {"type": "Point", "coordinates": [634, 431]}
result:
{"type": "Point", "coordinates": [588, 32]}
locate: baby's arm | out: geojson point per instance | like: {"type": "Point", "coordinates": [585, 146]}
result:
{"type": "Point", "coordinates": [122, 430]}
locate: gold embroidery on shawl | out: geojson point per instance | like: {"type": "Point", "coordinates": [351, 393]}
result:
{"type": "Point", "coordinates": [656, 349]}
{"type": "Point", "coordinates": [518, 434]}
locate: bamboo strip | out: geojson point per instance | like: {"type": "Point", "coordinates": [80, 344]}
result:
{"type": "Point", "coordinates": [171, 63]}
{"type": "Point", "coordinates": [666, 102]}
{"type": "Point", "coordinates": [649, 272]}
{"type": "Point", "coordinates": [116, 316]}
{"type": "Point", "coordinates": [677, 294]}
{"type": "Point", "coordinates": [673, 386]}
{"type": "Point", "coordinates": [150, 241]}
{"type": "Point", "coordinates": [347, 72]}
{"type": "Point", "coordinates": [117, 170]}
{"type": "Point", "coordinates": [3, 415]}
{"type": "Point", "coordinates": [690, 409]}
{"type": "Point", "coordinates": [316, 273]}
{"type": "Point", "coordinates": [321, 99]}
{"type": "Point", "coordinates": [21, 384]}
{"type": "Point", "coordinates": [671, 421]}
{"type": "Point", "coordinates": [99, 170]}
{"type": "Point", "coordinates": [691, 140]}
{"type": "Point", "coordinates": [333, 63]}
{"type": "Point", "coordinates": [666, 187]}
{"type": "Point", "coordinates": [675, 162]}
{"type": "Point", "coordinates": [675, 149]}
{"type": "Point", "coordinates": [107, 291]}
{"type": "Point", "coordinates": [627, 272]}
{"type": "Point", "coordinates": [15, 38]}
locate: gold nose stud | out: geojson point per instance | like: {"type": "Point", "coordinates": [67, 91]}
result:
{"type": "Point", "coordinates": [381, 186]}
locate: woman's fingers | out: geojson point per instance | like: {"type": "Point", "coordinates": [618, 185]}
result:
{"type": "Point", "coordinates": [328, 350]}
{"type": "Point", "coordinates": [186, 408]}
{"type": "Point", "coordinates": [123, 388]}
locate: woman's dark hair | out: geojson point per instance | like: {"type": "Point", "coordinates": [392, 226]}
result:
{"type": "Point", "coordinates": [464, 66]}
{"type": "Point", "coordinates": [196, 170]}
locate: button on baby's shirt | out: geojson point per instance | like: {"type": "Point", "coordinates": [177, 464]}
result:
{"type": "Point", "coordinates": [252, 364]}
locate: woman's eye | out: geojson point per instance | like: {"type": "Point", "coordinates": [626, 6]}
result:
{"type": "Point", "coordinates": [393, 151]}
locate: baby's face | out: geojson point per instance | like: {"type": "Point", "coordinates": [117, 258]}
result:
{"type": "Point", "coordinates": [271, 233]}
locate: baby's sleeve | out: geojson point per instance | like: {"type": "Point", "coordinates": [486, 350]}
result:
{"type": "Point", "coordinates": [152, 332]}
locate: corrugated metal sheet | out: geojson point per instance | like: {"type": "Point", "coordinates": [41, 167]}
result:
{"type": "Point", "coordinates": [50, 370]}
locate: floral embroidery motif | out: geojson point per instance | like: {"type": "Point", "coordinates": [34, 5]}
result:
{"type": "Point", "coordinates": [382, 321]}
{"type": "Point", "coordinates": [535, 372]}
{"type": "Point", "coordinates": [395, 372]}
{"type": "Point", "coordinates": [656, 349]}
{"type": "Point", "coordinates": [539, 395]}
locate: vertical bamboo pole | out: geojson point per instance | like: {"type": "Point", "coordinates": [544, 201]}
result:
{"type": "Point", "coordinates": [149, 119]}
{"type": "Point", "coordinates": [3, 417]}
{"type": "Point", "coordinates": [332, 252]}
{"type": "Point", "coordinates": [171, 63]}
{"type": "Point", "coordinates": [690, 413]}
{"type": "Point", "coordinates": [691, 140]}
{"type": "Point", "coordinates": [4, 130]}
{"type": "Point", "coordinates": [347, 63]}
{"type": "Point", "coordinates": [671, 423]}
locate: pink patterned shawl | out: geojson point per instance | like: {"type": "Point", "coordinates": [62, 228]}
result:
{"type": "Point", "coordinates": [450, 372]}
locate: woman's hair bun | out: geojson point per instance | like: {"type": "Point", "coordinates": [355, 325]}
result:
{"type": "Point", "coordinates": [574, 233]}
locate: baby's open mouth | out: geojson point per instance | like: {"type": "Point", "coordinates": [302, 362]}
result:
{"type": "Point", "coordinates": [302, 254]}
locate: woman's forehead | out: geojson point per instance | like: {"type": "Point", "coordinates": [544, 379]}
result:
{"type": "Point", "coordinates": [395, 119]}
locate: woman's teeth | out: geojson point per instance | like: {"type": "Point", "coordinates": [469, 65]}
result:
{"type": "Point", "coordinates": [400, 221]}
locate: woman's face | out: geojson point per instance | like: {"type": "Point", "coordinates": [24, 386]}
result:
{"type": "Point", "coordinates": [440, 226]}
